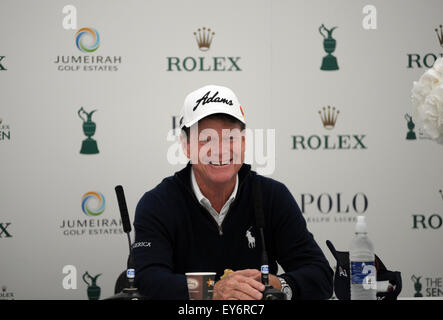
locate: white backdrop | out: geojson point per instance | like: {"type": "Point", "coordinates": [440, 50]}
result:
{"type": "Point", "coordinates": [278, 50]}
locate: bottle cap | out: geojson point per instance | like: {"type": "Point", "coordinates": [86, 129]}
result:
{"type": "Point", "coordinates": [360, 227]}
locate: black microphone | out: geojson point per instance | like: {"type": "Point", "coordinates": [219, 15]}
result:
{"type": "Point", "coordinates": [269, 293]}
{"type": "Point", "coordinates": [123, 209]}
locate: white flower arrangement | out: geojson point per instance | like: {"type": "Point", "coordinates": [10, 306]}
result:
{"type": "Point", "coordinates": [427, 101]}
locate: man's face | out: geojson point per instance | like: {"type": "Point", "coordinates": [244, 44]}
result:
{"type": "Point", "coordinates": [217, 149]}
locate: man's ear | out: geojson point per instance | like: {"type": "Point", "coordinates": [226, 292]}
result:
{"type": "Point", "coordinates": [185, 145]}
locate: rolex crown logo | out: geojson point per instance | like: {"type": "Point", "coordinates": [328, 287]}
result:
{"type": "Point", "coordinates": [439, 35]}
{"type": "Point", "coordinates": [329, 117]}
{"type": "Point", "coordinates": [204, 38]}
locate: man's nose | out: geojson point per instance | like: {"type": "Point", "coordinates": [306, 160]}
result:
{"type": "Point", "coordinates": [223, 151]}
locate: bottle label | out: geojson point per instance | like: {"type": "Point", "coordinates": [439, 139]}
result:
{"type": "Point", "coordinates": [364, 273]}
{"type": "Point", "coordinates": [264, 269]}
{"type": "Point", "coordinates": [130, 273]}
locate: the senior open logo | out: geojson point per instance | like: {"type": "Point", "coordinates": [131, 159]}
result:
{"type": "Point", "coordinates": [87, 39]}
{"type": "Point", "coordinates": [99, 200]}
{"type": "Point", "coordinates": [192, 284]}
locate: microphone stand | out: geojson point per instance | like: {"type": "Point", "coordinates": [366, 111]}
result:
{"type": "Point", "coordinates": [270, 293]}
{"type": "Point", "coordinates": [130, 293]}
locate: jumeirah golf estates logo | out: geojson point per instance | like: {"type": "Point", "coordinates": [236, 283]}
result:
{"type": "Point", "coordinates": [426, 60]}
{"type": "Point", "coordinates": [329, 116]}
{"type": "Point", "coordinates": [91, 222]}
{"type": "Point", "coordinates": [329, 62]}
{"type": "Point", "coordinates": [87, 40]}
{"type": "Point", "coordinates": [89, 145]}
{"type": "Point", "coordinates": [98, 198]}
{"type": "Point", "coordinates": [204, 37]}
{"type": "Point", "coordinates": [93, 206]}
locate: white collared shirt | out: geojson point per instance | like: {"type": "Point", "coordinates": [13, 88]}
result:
{"type": "Point", "coordinates": [219, 217]}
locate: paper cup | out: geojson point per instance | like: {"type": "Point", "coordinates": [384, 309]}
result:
{"type": "Point", "coordinates": [200, 285]}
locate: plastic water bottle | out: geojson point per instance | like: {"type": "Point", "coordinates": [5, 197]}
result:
{"type": "Point", "coordinates": [362, 260]}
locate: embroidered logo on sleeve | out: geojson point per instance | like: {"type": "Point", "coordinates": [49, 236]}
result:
{"type": "Point", "coordinates": [141, 244]}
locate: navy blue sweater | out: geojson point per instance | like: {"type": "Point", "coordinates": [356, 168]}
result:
{"type": "Point", "coordinates": [174, 234]}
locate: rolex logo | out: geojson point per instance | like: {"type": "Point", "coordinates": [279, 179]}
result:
{"type": "Point", "coordinates": [204, 38]}
{"type": "Point", "coordinates": [329, 117]}
{"type": "Point", "coordinates": [426, 59]}
{"type": "Point", "coordinates": [439, 35]}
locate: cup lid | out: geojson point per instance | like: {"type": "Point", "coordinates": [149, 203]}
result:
{"type": "Point", "coordinates": [200, 273]}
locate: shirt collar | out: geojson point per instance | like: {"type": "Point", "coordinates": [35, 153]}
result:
{"type": "Point", "coordinates": [201, 197]}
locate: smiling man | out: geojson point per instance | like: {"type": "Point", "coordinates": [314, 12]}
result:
{"type": "Point", "coordinates": [202, 218]}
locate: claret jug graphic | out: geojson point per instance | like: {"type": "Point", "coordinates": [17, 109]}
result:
{"type": "Point", "coordinates": [329, 62]}
{"type": "Point", "coordinates": [93, 289]}
{"type": "Point", "coordinates": [89, 145]}
{"type": "Point", "coordinates": [411, 134]}
{"type": "Point", "coordinates": [417, 286]}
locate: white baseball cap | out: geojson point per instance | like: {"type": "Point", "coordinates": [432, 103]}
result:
{"type": "Point", "coordinates": [209, 100]}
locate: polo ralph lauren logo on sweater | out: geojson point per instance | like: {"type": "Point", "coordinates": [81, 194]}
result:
{"type": "Point", "coordinates": [251, 239]}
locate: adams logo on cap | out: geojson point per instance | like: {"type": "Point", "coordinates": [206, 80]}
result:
{"type": "Point", "coordinates": [217, 99]}
{"type": "Point", "coordinates": [206, 99]}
